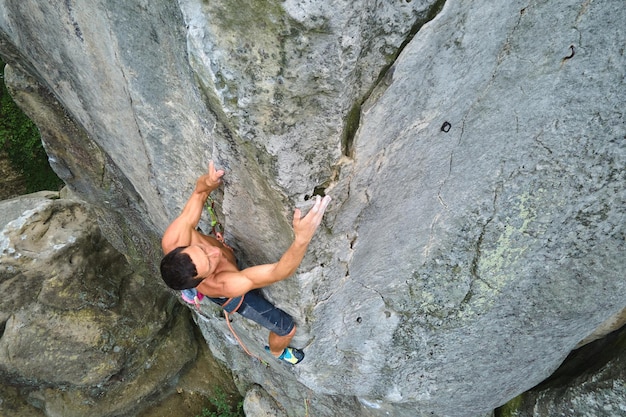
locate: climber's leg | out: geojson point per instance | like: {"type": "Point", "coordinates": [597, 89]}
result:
{"type": "Point", "coordinates": [279, 347]}
{"type": "Point", "coordinates": [277, 344]}
{"type": "Point", "coordinates": [280, 324]}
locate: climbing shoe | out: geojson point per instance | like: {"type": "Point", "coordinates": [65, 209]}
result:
{"type": "Point", "coordinates": [289, 355]}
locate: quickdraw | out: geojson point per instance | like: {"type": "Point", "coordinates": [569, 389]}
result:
{"type": "Point", "coordinates": [216, 226]}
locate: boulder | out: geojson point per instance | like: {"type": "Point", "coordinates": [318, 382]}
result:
{"type": "Point", "coordinates": [259, 403]}
{"type": "Point", "coordinates": [592, 382]}
{"type": "Point", "coordinates": [82, 333]}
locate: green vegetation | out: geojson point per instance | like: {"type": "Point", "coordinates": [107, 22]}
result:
{"type": "Point", "coordinates": [511, 408]}
{"type": "Point", "coordinates": [20, 139]}
{"type": "Point", "coordinates": [223, 407]}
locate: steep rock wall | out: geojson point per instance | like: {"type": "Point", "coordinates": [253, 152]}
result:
{"type": "Point", "coordinates": [477, 223]}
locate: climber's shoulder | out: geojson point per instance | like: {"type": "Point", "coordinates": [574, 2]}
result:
{"type": "Point", "coordinates": [180, 233]}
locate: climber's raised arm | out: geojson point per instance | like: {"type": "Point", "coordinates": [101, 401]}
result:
{"type": "Point", "coordinates": [235, 283]}
{"type": "Point", "coordinates": [179, 232]}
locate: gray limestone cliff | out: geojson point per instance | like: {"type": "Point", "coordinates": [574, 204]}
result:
{"type": "Point", "coordinates": [474, 151]}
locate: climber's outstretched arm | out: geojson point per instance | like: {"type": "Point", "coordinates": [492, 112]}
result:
{"type": "Point", "coordinates": [232, 284]}
{"type": "Point", "coordinates": [179, 232]}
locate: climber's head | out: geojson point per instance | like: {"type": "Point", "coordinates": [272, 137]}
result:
{"type": "Point", "coordinates": [178, 270]}
{"type": "Point", "coordinates": [186, 266]}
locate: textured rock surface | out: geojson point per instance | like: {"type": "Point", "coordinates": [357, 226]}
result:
{"type": "Point", "coordinates": [259, 404]}
{"type": "Point", "coordinates": [591, 384]}
{"type": "Point", "coordinates": [82, 334]}
{"type": "Point", "coordinates": [477, 230]}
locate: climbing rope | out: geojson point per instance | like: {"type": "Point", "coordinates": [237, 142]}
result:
{"type": "Point", "coordinates": [243, 346]}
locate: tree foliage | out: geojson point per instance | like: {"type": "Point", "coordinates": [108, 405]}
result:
{"type": "Point", "coordinates": [21, 140]}
{"type": "Point", "coordinates": [223, 407]}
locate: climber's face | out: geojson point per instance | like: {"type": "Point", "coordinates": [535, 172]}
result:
{"type": "Point", "coordinates": [205, 258]}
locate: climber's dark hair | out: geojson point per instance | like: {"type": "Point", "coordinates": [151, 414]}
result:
{"type": "Point", "coordinates": [178, 270]}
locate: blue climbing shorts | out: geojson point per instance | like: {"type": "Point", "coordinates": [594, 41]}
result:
{"type": "Point", "coordinates": [256, 308]}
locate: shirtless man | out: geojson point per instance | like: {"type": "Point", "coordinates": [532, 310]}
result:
{"type": "Point", "coordinates": [195, 260]}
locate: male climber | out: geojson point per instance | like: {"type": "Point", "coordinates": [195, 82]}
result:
{"type": "Point", "coordinates": [195, 260]}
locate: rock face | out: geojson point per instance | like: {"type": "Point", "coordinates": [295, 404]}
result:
{"type": "Point", "coordinates": [82, 334]}
{"type": "Point", "coordinates": [599, 391]}
{"type": "Point", "coordinates": [476, 164]}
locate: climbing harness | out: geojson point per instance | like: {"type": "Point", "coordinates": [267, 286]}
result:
{"type": "Point", "coordinates": [231, 305]}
